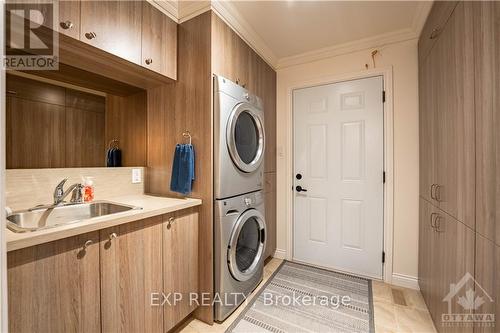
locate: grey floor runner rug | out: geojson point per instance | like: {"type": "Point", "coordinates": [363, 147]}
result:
{"type": "Point", "coordinates": [300, 298]}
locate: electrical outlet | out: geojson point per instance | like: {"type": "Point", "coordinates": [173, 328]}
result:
{"type": "Point", "coordinates": [136, 176]}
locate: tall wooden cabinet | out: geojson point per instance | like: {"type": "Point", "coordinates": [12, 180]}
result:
{"type": "Point", "coordinates": [459, 153]}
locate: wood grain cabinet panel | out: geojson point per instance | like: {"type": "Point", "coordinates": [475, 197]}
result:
{"type": "Point", "coordinates": [54, 287]}
{"type": "Point", "coordinates": [270, 213]}
{"type": "Point", "coordinates": [131, 269]}
{"type": "Point", "coordinates": [488, 277]}
{"type": "Point", "coordinates": [159, 41]}
{"type": "Point", "coordinates": [113, 26]}
{"type": "Point", "coordinates": [426, 259]}
{"type": "Point", "coordinates": [487, 104]}
{"type": "Point", "coordinates": [452, 98]}
{"type": "Point", "coordinates": [69, 18]}
{"type": "Point", "coordinates": [180, 264]}
{"type": "Point", "coordinates": [434, 25]}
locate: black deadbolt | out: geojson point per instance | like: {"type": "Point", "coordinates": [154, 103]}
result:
{"type": "Point", "coordinates": [298, 176]}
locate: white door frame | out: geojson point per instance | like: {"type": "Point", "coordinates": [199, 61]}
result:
{"type": "Point", "coordinates": [386, 73]}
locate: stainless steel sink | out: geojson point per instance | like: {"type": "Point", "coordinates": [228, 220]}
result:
{"type": "Point", "coordinates": [49, 217]}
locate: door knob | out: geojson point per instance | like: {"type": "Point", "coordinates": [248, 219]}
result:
{"type": "Point", "coordinates": [299, 188]}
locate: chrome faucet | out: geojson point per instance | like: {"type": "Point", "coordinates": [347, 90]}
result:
{"type": "Point", "coordinates": [60, 194]}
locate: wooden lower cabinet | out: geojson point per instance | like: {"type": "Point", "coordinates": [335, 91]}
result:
{"type": "Point", "coordinates": [54, 287]}
{"type": "Point", "coordinates": [103, 281]}
{"type": "Point", "coordinates": [131, 269]}
{"type": "Point", "coordinates": [446, 256]}
{"type": "Point", "coordinates": [180, 268]}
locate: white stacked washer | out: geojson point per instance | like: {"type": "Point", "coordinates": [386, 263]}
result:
{"type": "Point", "coordinates": [240, 228]}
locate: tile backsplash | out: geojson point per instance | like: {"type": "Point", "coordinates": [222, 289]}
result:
{"type": "Point", "coordinates": [27, 188]}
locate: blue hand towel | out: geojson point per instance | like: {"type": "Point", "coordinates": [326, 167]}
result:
{"type": "Point", "coordinates": [182, 169]}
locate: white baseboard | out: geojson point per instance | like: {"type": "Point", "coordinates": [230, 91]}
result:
{"type": "Point", "coordinates": [406, 281]}
{"type": "Point", "coordinates": [280, 254]}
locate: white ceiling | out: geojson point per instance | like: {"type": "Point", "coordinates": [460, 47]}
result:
{"type": "Point", "coordinates": [288, 32]}
{"type": "Point", "coordinates": [290, 28]}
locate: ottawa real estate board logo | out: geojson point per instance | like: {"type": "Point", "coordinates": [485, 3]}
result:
{"type": "Point", "coordinates": [31, 37]}
{"type": "Point", "coordinates": [468, 305]}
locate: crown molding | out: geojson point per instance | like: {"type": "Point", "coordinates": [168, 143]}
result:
{"type": "Point", "coordinates": [226, 11]}
{"type": "Point", "coordinates": [181, 11]}
{"type": "Point", "coordinates": [350, 47]}
{"type": "Point", "coordinates": [421, 14]}
{"type": "Point", "coordinates": [190, 9]}
{"type": "Point", "coordinates": [167, 7]}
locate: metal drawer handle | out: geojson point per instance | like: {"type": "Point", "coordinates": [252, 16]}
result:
{"type": "Point", "coordinates": [112, 236]}
{"type": "Point", "coordinates": [170, 221]}
{"type": "Point", "coordinates": [437, 224]}
{"type": "Point", "coordinates": [149, 61]}
{"type": "Point", "coordinates": [438, 193]}
{"type": "Point", "coordinates": [433, 215]}
{"type": "Point", "coordinates": [432, 191]}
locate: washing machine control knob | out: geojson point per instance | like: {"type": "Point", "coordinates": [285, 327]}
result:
{"type": "Point", "coordinates": [248, 201]}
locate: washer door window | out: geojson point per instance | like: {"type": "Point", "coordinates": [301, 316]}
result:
{"type": "Point", "coordinates": [245, 137]}
{"type": "Point", "coordinates": [246, 246]}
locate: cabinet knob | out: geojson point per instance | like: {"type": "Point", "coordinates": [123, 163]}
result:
{"type": "Point", "coordinates": [90, 35]}
{"type": "Point", "coordinates": [66, 25]}
{"type": "Point", "coordinates": [149, 61]}
{"type": "Point", "coordinates": [112, 236]}
{"type": "Point", "coordinates": [434, 33]}
{"type": "Point", "coordinates": [170, 221]}
{"type": "Point", "coordinates": [87, 244]}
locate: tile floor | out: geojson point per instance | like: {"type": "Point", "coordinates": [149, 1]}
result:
{"type": "Point", "coordinates": [390, 315]}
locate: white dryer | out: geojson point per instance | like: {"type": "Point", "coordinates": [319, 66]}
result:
{"type": "Point", "coordinates": [239, 140]}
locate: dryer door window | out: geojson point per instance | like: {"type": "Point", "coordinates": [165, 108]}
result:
{"type": "Point", "coordinates": [245, 137]}
{"type": "Point", "coordinates": [246, 246]}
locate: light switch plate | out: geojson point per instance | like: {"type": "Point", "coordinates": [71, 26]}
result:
{"type": "Point", "coordinates": [136, 176]}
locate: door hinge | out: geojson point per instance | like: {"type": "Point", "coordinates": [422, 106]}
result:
{"type": "Point", "coordinates": [383, 96]}
{"type": "Point", "coordinates": [383, 177]}
{"type": "Point", "coordinates": [383, 257]}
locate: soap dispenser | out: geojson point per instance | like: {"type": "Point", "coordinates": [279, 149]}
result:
{"type": "Point", "coordinates": [88, 189]}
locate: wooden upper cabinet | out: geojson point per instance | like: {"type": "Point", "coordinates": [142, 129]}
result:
{"type": "Point", "coordinates": [54, 287]}
{"type": "Point", "coordinates": [113, 26]}
{"type": "Point", "coordinates": [131, 269]}
{"type": "Point", "coordinates": [439, 15]}
{"type": "Point", "coordinates": [180, 263]}
{"type": "Point", "coordinates": [159, 41]}
{"type": "Point", "coordinates": [69, 18]}
{"type": "Point", "coordinates": [487, 104]}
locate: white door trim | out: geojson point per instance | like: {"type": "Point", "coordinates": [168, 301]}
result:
{"type": "Point", "coordinates": [386, 73]}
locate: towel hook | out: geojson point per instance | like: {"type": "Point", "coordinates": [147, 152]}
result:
{"type": "Point", "coordinates": [187, 135]}
{"type": "Point", "coordinates": [113, 143]}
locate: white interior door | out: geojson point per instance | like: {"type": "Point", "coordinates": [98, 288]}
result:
{"type": "Point", "coordinates": [339, 158]}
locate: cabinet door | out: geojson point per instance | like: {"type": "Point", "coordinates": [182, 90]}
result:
{"type": "Point", "coordinates": [455, 130]}
{"type": "Point", "coordinates": [428, 128]}
{"type": "Point", "coordinates": [488, 279]}
{"type": "Point", "coordinates": [131, 260]}
{"type": "Point", "coordinates": [180, 264]}
{"type": "Point", "coordinates": [426, 247]}
{"type": "Point", "coordinates": [69, 18]}
{"type": "Point", "coordinates": [113, 26]}
{"type": "Point", "coordinates": [54, 287]}
{"type": "Point", "coordinates": [159, 41]}
{"type": "Point", "coordinates": [455, 265]}
{"type": "Point", "coordinates": [487, 101]}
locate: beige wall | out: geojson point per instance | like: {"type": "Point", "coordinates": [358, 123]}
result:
{"type": "Point", "coordinates": [402, 57]}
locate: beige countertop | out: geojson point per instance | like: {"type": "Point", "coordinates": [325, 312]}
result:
{"type": "Point", "coordinates": [151, 206]}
